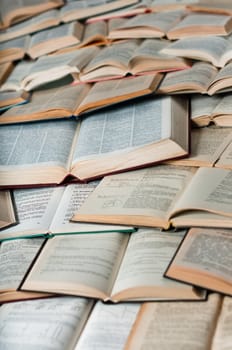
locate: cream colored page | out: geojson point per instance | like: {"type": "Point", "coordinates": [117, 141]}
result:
{"type": "Point", "coordinates": [210, 190]}
{"type": "Point", "coordinates": [208, 144]}
{"type": "Point", "coordinates": [48, 324]}
{"type": "Point", "coordinates": [209, 251]}
{"type": "Point", "coordinates": [15, 258]}
{"type": "Point", "coordinates": [150, 192]}
{"type": "Point", "coordinates": [166, 325]}
{"type": "Point", "coordinates": [13, 82]}
{"type": "Point", "coordinates": [68, 263]}
{"type": "Point", "coordinates": [108, 327]}
{"type": "Point", "coordinates": [73, 197]}
{"type": "Point", "coordinates": [147, 256]}
{"type": "Point", "coordinates": [223, 336]}
{"type": "Point", "coordinates": [35, 210]}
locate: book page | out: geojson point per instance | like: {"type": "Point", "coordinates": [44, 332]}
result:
{"type": "Point", "coordinates": [121, 128]}
{"type": "Point", "coordinates": [147, 256]}
{"type": "Point", "coordinates": [166, 325]}
{"type": "Point", "coordinates": [51, 324]}
{"type": "Point", "coordinates": [207, 251]}
{"type": "Point", "coordinates": [73, 197]}
{"type": "Point", "coordinates": [203, 106]}
{"type": "Point", "coordinates": [15, 258]}
{"type": "Point", "coordinates": [113, 91]}
{"type": "Point", "coordinates": [51, 34]}
{"type": "Point", "coordinates": [108, 327]}
{"type": "Point", "coordinates": [38, 22]}
{"type": "Point", "coordinates": [77, 265]}
{"type": "Point", "coordinates": [63, 98]}
{"type": "Point", "coordinates": [197, 78]}
{"type": "Point", "coordinates": [21, 70]}
{"type": "Point", "coordinates": [36, 144]}
{"type": "Point", "coordinates": [92, 30]}
{"type": "Point", "coordinates": [207, 49]}
{"type": "Point", "coordinates": [161, 22]}
{"type": "Point", "coordinates": [207, 146]}
{"type": "Point", "coordinates": [147, 192]}
{"type": "Point", "coordinates": [225, 160]}
{"type": "Point", "coordinates": [209, 190]}
{"type": "Point", "coordinates": [115, 55]}
{"type": "Point", "coordinates": [223, 337]}
{"type": "Point", "coordinates": [35, 210]}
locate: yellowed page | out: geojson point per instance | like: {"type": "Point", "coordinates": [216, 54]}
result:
{"type": "Point", "coordinates": [223, 336]}
{"type": "Point", "coordinates": [167, 325]}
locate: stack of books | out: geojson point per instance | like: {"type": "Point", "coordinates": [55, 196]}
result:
{"type": "Point", "coordinates": [115, 174]}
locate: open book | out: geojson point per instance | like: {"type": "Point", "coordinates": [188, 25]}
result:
{"type": "Point", "coordinates": [192, 325]}
{"type": "Point", "coordinates": [85, 9]}
{"type": "Point", "coordinates": [28, 75]}
{"type": "Point", "coordinates": [54, 323]}
{"type": "Point", "coordinates": [149, 25]}
{"type": "Point", "coordinates": [131, 57]}
{"type": "Point", "coordinates": [210, 147]}
{"type": "Point", "coordinates": [18, 10]}
{"type": "Point", "coordinates": [214, 49]}
{"type": "Point", "coordinates": [199, 24]}
{"type": "Point", "coordinates": [67, 101]}
{"type": "Point", "coordinates": [39, 22]}
{"type": "Point", "coordinates": [162, 196]}
{"type": "Point", "coordinates": [7, 210]}
{"type": "Point", "coordinates": [41, 43]}
{"type": "Point", "coordinates": [109, 141]}
{"type": "Point", "coordinates": [204, 259]}
{"type": "Point", "coordinates": [215, 109]}
{"type": "Point", "coordinates": [196, 79]}
{"type": "Point", "coordinates": [113, 266]}
{"type": "Point", "coordinates": [47, 211]}
{"type": "Point", "coordinates": [212, 6]}
{"type": "Point", "coordinates": [81, 325]}
{"type": "Point", "coordinates": [15, 259]}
